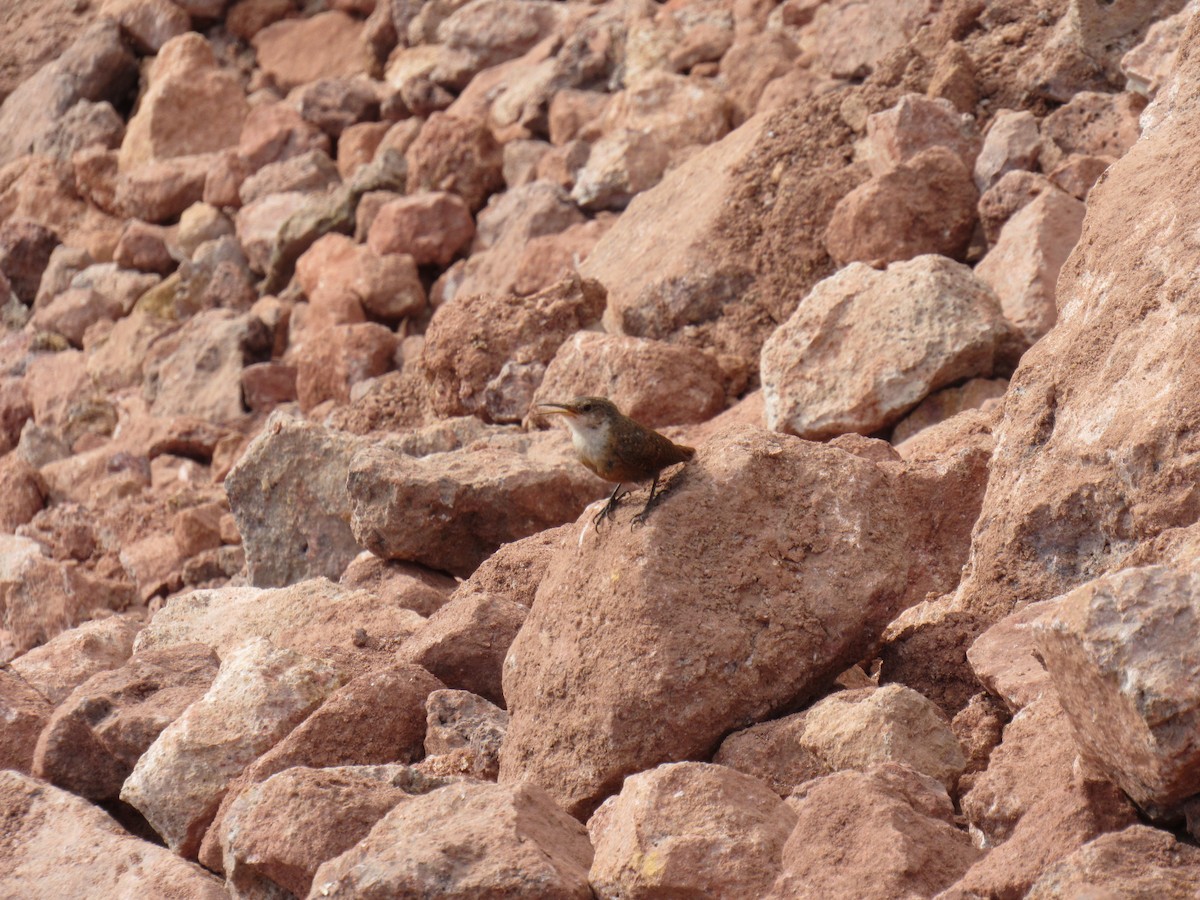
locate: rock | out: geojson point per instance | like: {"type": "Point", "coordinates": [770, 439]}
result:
{"type": "Point", "coordinates": [1095, 124]}
{"type": "Point", "coordinates": [1008, 196]}
{"type": "Point", "coordinates": [464, 643]}
{"type": "Point", "coordinates": [430, 226]}
{"type": "Point", "coordinates": [96, 66]}
{"type": "Point", "coordinates": [275, 132]}
{"type": "Point", "coordinates": [939, 407]}
{"type": "Point", "coordinates": [23, 496]}
{"type": "Point", "coordinates": [481, 362]}
{"type": "Point", "coordinates": [96, 735]}
{"type": "Point", "coordinates": [186, 85]}
{"type": "Point", "coordinates": [26, 248]}
{"type": "Point", "coordinates": [888, 822]}
{"type": "Point", "coordinates": [522, 845]}
{"type": "Point", "coordinates": [150, 23]}
{"type": "Point", "coordinates": [979, 726]}
{"type": "Point", "coordinates": [806, 384]}
{"type": "Point", "coordinates": [917, 123]}
{"type": "Point", "coordinates": [926, 205]}
{"type": "Point", "coordinates": [335, 104]}
{"type": "Point", "coordinates": [278, 832]}
{"type": "Point", "coordinates": [653, 382]}
{"type": "Point", "coordinates": [606, 696]}
{"type": "Point", "coordinates": [345, 279]}
{"type": "Point", "coordinates": [25, 713]}
{"type": "Point", "coordinates": [58, 845]}
{"type": "Point", "coordinates": [463, 734]}
{"type": "Point", "coordinates": [144, 247]}
{"type": "Point", "coordinates": [357, 144]}
{"type": "Point", "coordinates": [259, 695]}
{"type": "Point", "coordinates": [1149, 65]}
{"type": "Point", "coordinates": [85, 126]}
{"type": "Point", "coordinates": [852, 40]}
{"type": "Point", "coordinates": [1115, 649]}
{"type": "Point", "coordinates": [1006, 660]}
{"type": "Point", "coordinates": [57, 667]}
{"type": "Point", "coordinates": [260, 225]}
{"type": "Point", "coordinates": [294, 518]}
{"type": "Point", "coordinates": [689, 829]}
{"type": "Point", "coordinates": [552, 257]}
{"type": "Point", "coordinates": [422, 590]}
{"type": "Point", "coordinates": [267, 385]}
{"type": "Point", "coordinates": [344, 355]}
{"type": "Point", "coordinates": [1035, 804]}
{"type": "Point", "coordinates": [311, 172]}
{"type": "Point", "coordinates": [499, 491]}
{"type": "Point", "coordinates": [1078, 173]}
{"type": "Point", "coordinates": [1012, 143]}
{"type": "Point", "coordinates": [1023, 266]}
{"type": "Point", "coordinates": [455, 155]}
{"type": "Point", "coordinates": [1137, 860]}
{"type": "Point", "coordinates": [293, 52]}
{"type": "Point", "coordinates": [351, 629]}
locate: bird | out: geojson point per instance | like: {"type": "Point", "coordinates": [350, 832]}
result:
{"type": "Point", "coordinates": [617, 448]}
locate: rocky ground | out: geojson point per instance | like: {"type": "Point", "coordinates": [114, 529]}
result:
{"type": "Point", "coordinates": [300, 598]}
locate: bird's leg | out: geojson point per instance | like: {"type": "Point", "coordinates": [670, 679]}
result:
{"type": "Point", "coordinates": [609, 507]}
{"type": "Point", "coordinates": [640, 518]}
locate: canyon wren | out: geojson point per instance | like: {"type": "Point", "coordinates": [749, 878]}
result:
{"type": "Point", "coordinates": [617, 448]}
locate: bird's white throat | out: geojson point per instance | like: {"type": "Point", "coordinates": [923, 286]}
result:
{"type": "Point", "coordinates": [590, 438]}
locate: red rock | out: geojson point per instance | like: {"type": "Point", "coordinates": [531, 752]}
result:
{"type": "Point", "coordinates": [198, 528]}
{"type": "Point", "coordinates": [160, 190]}
{"type": "Point", "coordinates": [550, 258]}
{"type": "Point", "coordinates": [95, 66]}
{"type": "Point", "coordinates": [150, 23]}
{"type": "Point", "coordinates": [309, 172]}
{"type": "Point", "coordinates": [96, 735]}
{"type": "Point", "coordinates": [431, 227]}
{"type": "Point", "coordinates": [620, 166]}
{"type": "Point", "coordinates": [917, 123]}
{"type": "Point", "coordinates": [1007, 197]}
{"type": "Point", "coordinates": [274, 132]}
{"type": "Point", "coordinates": [1078, 173]}
{"type": "Point", "coordinates": [61, 846]}
{"type": "Point", "coordinates": [85, 125]}
{"type": "Point", "coordinates": [15, 411]}
{"type": "Point", "coordinates": [259, 695]}
{"type": "Point", "coordinates": [280, 831]}
{"type": "Point", "coordinates": [483, 362]}
{"type": "Point", "coordinates": [926, 205]}
{"type": "Point", "coordinates": [689, 829]}
{"type": "Point", "coordinates": [422, 590]}
{"type": "Point", "coordinates": [522, 845]}
{"type": "Point", "coordinates": [334, 104]}
{"type": "Point", "coordinates": [653, 382]}
{"type": "Point", "coordinates": [25, 251]}
{"type": "Point", "coordinates": [144, 247]}
{"type": "Point", "coordinates": [1035, 804]}
{"type": "Point", "coordinates": [616, 720]}
{"type": "Point", "coordinates": [501, 489]}
{"type": "Point", "coordinates": [357, 144]}
{"type": "Point", "coordinates": [880, 822]}
{"type": "Point", "coordinates": [329, 366]}
{"type": "Point", "coordinates": [480, 35]}
{"type": "Point", "coordinates": [1114, 650]}
{"type": "Point", "coordinates": [455, 155]}
{"type": "Point", "coordinates": [464, 643]}
{"type": "Point", "coordinates": [954, 78]}
{"type": "Point", "coordinates": [186, 86]}
{"type": "Point", "coordinates": [260, 225]}
{"type": "Point", "coordinates": [804, 368]}
{"type": "Point", "coordinates": [266, 385]}
{"type": "Point", "coordinates": [975, 393]}
{"type": "Point", "coordinates": [575, 114]}
{"type": "Point", "coordinates": [1096, 124]}
{"type": "Point", "coordinates": [246, 18]}
{"type": "Point", "coordinates": [23, 495]}
{"type": "Point", "coordinates": [979, 726]}
{"type": "Point", "coordinates": [752, 62]}
{"type": "Point", "coordinates": [57, 667]}
{"type": "Point", "coordinates": [463, 734]}
{"type": "Point", "coordinates": [1012, 143]}
{"type": "Point", "coordinates": [25, 713]}
{"type": "Point", "coordinates": [1006, 660]}
{"type": "Point", "coordinates": [1136, 861]}
{"type": "Point", "coordinates": [1149, 65]}
{"type": "Point", "coordinates": [293, 52]}
{"type": "Point", "coordinates": [852, 40]}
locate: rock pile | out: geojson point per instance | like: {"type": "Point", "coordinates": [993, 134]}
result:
{"type": "Point", "coordinates": [300, 597]}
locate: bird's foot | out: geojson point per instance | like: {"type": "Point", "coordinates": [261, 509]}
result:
{"type": "Point", "coordinates": [609, 509]}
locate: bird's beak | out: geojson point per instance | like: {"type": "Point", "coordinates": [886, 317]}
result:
{"type": "Point", "coordinates": [556, 409]}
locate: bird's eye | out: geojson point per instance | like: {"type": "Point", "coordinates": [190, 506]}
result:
{"type": "Point", "coordinates": [585, 407]}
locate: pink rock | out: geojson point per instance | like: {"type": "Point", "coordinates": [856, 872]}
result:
{"type": "Point", "coordinates": [1012, 143]}
{"type": "Point", "coordinates": [523, 845]}
{"type": "Point", "coordinates": [1149, 65]}
{"type": "Point", "coordinates": [926, 205]}
{"type": "Point", "coordinates": [23, 495]}
{"type": "Point", "coordinates": [853, 39]}
{"type": "Point", "coordinates": [266, 385]}
{"type": "Point", "coordinates": [57, 667]}
{"type": "Point", "coordinates": [616, 720]}
{"type": "Point", "coordinates": [689, 829]}
{"type": "Point", "coordinates": [431, 227]}
{"type": "Point", "coordinates": [25, 251]}
{"type": "Point", "coordinates": [576, 114]}
{"type": "Point", "coordinates": [297, 51]}
{"type": "Point", "coordinates": [278, 832]}
{"type": "Point", "coordinates": [160, 190]}
{"type": "Point", "coordinates": [186, 86]}
{"type": "Point", "coordinates": [1007, 197]}
{"type": "Point", "coordinates": [975, 393]}
{"type": "Point", "coordinates": [61, 846]}
{"type": "Point", "coordinates": [274, 132]}
{"type": "Point", "coordinates": [144, 247]}
{"type": "Point", "coordinates": [328, 366]}
{"type": "Point", "coordinates": [882, 821]}
{"type": "Point", "coordinates": [1096, 124]}
{"type": "Point", "coordinates": [917, 123]}
{"type": "Point", "coordinates": [357, 144]}
{"type": "Point", "coordinates": [804, 367]}
{"type": "Point", "coordinates": [150, 23]}
{"type": "Point", "coordinates": [463, 734]}
{"type": "Point", "coordinates": [1136, 860]}
{"type": "Point", "coordinates": [25, 712]}
{"type": "Point", "coordinates": [85, 125]}
{"type": "Point", "coordinates": [549, 258]}
{"type": "Point", "coordinates": [653, 382]}
{"type": "Point", "coordinates": [464, 643]}
{"type": "Point", "coordinates": [484, 362]}
{"type": "Point", "coordinates": [342, 279]}
{"type": "Point", "coordinates": [484, 34]}
{"type": "Point", "coordinates": [335, 104]}
{"type": "Point", "coordinates": [422, 590]}
{"type": "Point", "coordinates": [1006, 660]}
{"type": "Point", "coordinates": [1114, 649]}
{"type": "Point", "coordinates": [96, 735]}
{"type": "Point", "coordinates": [1023, 266]}
{"type": "Point", "coordinates": [752, 63]}
{"type": "Point", "coordinates": [455, 155]}
{"type": "Point", "coordinates": [1077, 173]}
{"type": "Point", "coordinates": [246, 18]}
{"type": "Point", "coordinates": [259, 225]}
{"type": "Point", "coordinates": [259, 695]}
{"type": "Point", "coordinates": [620, 166]}
{"type": "Point", "coordinates": [308, 172]}
{"type": "Point", "coordinates": [15, 411]}
{"type": "Point", "coordinates": [500, 490]}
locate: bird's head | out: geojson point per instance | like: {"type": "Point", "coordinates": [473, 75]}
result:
{"type": "Point", "coordinates": [584, 415]}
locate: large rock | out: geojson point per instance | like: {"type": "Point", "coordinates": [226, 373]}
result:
{"type": "Point", "coordinates": [618, 657]}
{"type": "Point", "coordinates": [463, 734]}
{"type": "Point", "coordinates": [450, 511]}
{"type": "Point", "coordinates": [57, 845]}
{"type": "Point", "coordinates": [1120, 651]}
{"type": "Point", "coordinates": [520, 845]}
{"type": "Point", "coordinates": [867, 346]}
{"type": "Point", "coordinates": [1136, 862]}
{"type": "Point", "coordinates": [25, 713]}
{"type": "Point", "coordinates": [689, 829]}
{"type": "Point", "coordinates": [259, 695]}
{"type": "Point", "coordinates": [872, 835]}
{"type": "Point", "coordinates": [99, 732]}
{"type": "Point", "coordinates": [71, 658]}
{"type": "Point", "coordinates": [296, 51]}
